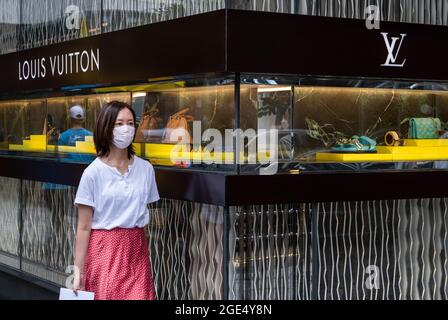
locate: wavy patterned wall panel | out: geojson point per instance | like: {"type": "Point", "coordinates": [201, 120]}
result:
{"type": "Point", "coordinates": [44, 22]}
{"type": "Point", "coordinates": [9, 215]}
{"type": "Point", "coordinates": [375, 250]}
{"type": "Point", "coordinates": [186, 247]}
{"type": "Point", "coordinates": [122, 14]}
{"type": "Point", "coordinates": [270, 250]}
{"type": "Point", "coordinates": [284, 6]}
{"type": "Point", "coordinates": [415, 11]}
{"type": "Point", "coordinates": [90, 19]}
{"type": "Point", "coordinates": [9, 25]}
{"type": "Point", "coordinates": [352, 237]}
{"type": "Point", "coordinates": [186, 239]}
{"type": "Point", "coordinates": [395, 249]}
{"type": "Point", "coordinates": [49, 225]}
{"type": "Point", "coordinates": [383, 250]}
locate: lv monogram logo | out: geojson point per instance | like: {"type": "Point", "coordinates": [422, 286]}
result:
{"type": "Point", "coordinates": [393, 51]}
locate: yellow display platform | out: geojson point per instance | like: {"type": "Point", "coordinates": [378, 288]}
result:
{"type": "Point", "coordinates": [413, 150]}
{"type": "Point", "coordinates": [160, 154]}
{"type": "Point", "coordinates": [169, 154]}
{"type": "Point", "coordinates": [165, 153]}
{"type": "Point", "coordinates": [426, 143]}
{"type": "Point", "coordinates": [87, 146]}
{"type": "Point", "coordinates": [16, 147]}
{"type": "Point", "coordinates": [36, 143]}
{"type": "Point", "coordinates": [353, 157]}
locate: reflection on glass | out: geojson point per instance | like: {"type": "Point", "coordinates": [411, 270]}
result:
{"type": "Point", "coordinates": [61, 126]}
{"type": "Point", "coordinates": [267, 108]}
{"type": "Point", "coordinates": [76, 132]}
{"type": "Point", "coordinates": [319, 123]}
{"type": "Point", "coordinates": [23, 125]}
{"type": "Point", "coordinates": [60, 121]}
{"type": "Point", "coordinates": [96, 101]}
{"type": "Point", "coordinates": [183, 113]}
{"type": "Point", "coordinates": [12, 124]}
{"type": "Point", "coordinates": [326, 114]}
{"type": "Point", "coordinates": [66, 132]}
{"type": "Point", "coordinates": [342, 123]}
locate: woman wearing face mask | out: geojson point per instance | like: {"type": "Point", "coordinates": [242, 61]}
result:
{"type": "Point", "coordinates": [111, 251]}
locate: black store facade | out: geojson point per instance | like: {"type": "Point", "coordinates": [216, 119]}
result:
{"type": "Point", "coordinates": [325, 226]}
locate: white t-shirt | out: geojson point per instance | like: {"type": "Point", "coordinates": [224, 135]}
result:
{"type": "Point", "coordinates": [118, 201]}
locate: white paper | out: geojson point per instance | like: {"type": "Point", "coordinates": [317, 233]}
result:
{"type": "Point", "coordinates": [68, 294]}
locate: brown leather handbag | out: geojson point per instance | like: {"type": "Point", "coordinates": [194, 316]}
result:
{"type": "Point", "coordinates": [177, 121]}
{"type": "Point", "coordinates": [149, 122]}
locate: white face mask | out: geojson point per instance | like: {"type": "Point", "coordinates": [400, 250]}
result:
{"type": "Point", "coordinates": [123, 136]}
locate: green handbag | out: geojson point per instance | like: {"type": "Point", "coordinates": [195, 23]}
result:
{"type": "Point", "coordinates": [424, 128]}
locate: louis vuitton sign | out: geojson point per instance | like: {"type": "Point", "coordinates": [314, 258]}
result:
{"type": "Point", "coordinates": [59, 65]}
{"type": "Point", "coordinates": [130, 55]}
{"type": "Point", "coordinates": [393, 45]}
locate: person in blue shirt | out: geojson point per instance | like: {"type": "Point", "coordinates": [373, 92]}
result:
{"type": "Point", "coordinates": [53, 190]}
{"type": "Point", "coordinates": [76, 132]}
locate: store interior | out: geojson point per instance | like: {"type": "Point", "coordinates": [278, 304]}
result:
{"type": "Point", "coordinates": [319, 123]}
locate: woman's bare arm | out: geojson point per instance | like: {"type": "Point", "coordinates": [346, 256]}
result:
{"type": "Point", "coordinates": [85, 215]}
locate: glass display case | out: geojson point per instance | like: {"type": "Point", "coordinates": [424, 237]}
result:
{"type": "Point", "coordinates": [21, 120]}
{"type": "Point", "coordinates": [326, 123]}
{"type": "Point", "coordinates": [295, 124]}
{"type": "Point", "coordinates": [173, 121]}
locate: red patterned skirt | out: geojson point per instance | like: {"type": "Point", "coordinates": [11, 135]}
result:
{"type": "Point", "coordinates": [118, 266]}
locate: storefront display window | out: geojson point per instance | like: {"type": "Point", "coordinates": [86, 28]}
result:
{"type": "Point", "coordinates": [320, 123]}
{"type": "Point", "coordinates": [339, 124]}
{"type": "Point", "coordinates": [181, 113]}
{"type": "Point", "coordinates": [173, 121]}
{"type": "Point", "coordinates": [22, 122]}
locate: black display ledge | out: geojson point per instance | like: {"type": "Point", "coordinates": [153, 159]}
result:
{"type": "Point", "coordinates": [232, 190]}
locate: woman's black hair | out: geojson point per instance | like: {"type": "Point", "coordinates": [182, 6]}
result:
{"type": "Point", "coordinates": [104, 128]}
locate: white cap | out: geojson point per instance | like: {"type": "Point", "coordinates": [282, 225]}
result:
{"type": "Point", "coordinates": [77, 112]}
